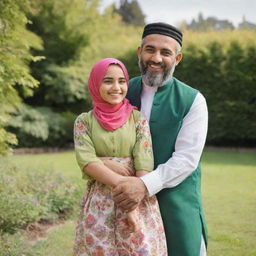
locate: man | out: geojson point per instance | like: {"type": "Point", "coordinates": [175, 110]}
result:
{"type": "Point", "coordinates": [178, 118]}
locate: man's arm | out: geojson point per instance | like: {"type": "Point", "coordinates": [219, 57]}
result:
{"type": "Point", "coordinates": [188, 149]}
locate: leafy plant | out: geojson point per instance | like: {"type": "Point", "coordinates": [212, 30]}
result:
{"type": "Point", "coordinates": [32, 195]}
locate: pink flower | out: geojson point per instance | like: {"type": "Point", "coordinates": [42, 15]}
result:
{"type": "Point", "coordinates": [81, 127]}
{"type": "Point", "coordinates": [137, 238]}
{"type": "Point", "coordinates": [90, 221]}
{"type": "Point", "coordinates": [146, 144]}
{"type": "Point", "coordinates": [89, 240]}
{"type": "Point", "coordinates": [98, 251]}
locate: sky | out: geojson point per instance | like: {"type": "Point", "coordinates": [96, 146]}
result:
{"type": "Point", "coordinates": [175, 11]}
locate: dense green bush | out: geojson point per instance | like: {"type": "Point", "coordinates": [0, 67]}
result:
{"type": "Point", "coordinates": [41, 127]}
{"type": "Point", "coordinates": [32, 195]}
{"type": "Point", "coordinates": [228, 81]}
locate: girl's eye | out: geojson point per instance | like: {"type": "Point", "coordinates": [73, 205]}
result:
{"type": "Point", "coordinates": [107, 81]}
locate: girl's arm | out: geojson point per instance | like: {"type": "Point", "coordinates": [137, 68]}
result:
{"type": "Point", "coordinates": [103, 174]}
{"type": "Point", "coordinates": [119, 168]}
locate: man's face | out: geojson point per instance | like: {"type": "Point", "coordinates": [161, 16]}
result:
{"type": "Point", "coordinates": [158, 58]}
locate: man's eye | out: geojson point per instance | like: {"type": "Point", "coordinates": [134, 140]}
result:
{"type": "Point", "coordinates": [167, 53]}
{"type": "Point", "coordinates": [149, 50]}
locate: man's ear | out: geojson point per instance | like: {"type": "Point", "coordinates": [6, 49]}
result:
{"type": "Point", "coordinates": [139, 51]}
{"type": "Point", "coordinates": [178, 58]}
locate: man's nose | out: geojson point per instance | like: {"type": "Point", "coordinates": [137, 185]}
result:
{"type": "Point", "coordinates": [156, 57]}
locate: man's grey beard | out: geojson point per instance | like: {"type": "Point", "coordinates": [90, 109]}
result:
{"type": "Point", "coordinates": [155, 80]}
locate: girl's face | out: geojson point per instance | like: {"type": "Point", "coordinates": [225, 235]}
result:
{"type": "Point", "coordinates": [113, 88]}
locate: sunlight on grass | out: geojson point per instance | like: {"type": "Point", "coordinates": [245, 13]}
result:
{"type": "Point", "coordinates": [228, 186]}
{"type": "Point", "coordinates": [64, 162]}
{"type": "Point", "coordinates": [59, 242]}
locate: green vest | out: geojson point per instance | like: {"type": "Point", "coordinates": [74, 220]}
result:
{"type": "Point", "coordinates": [181, 206]}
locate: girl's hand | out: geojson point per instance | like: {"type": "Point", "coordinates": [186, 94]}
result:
{"type": "Point", "coordinates": [119, 168]}
{"type": "Point", "coordinates": [133, 221]}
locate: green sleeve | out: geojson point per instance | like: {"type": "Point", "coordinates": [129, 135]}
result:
{"type": "Point", "coordinates": [84, 147]}
{"type": "Point", "coordinates": [142, 151]}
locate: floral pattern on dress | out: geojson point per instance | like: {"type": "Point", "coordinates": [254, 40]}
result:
{"type": "Point", "coordinates": [80, 128]}
{"type": "Point", "coordinates": [143, 133]}
{"type": "Point", "coordinates": [102, 228]}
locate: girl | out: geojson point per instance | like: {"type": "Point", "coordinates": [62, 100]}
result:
{"type": "Point", "coordinates": [114, 130]}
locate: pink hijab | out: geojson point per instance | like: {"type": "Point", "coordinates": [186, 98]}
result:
{"type": "Point", "coordinates": [110, 117]}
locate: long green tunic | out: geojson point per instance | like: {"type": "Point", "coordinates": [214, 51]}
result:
{"type": "Point", "coordinates": [181, 206]}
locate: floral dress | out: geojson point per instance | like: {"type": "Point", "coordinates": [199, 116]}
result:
{"type": "Point", "coordinates": [102, 228]}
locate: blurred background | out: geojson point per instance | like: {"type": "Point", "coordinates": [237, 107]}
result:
{"type": "Point", "coordinates": [47, 48]}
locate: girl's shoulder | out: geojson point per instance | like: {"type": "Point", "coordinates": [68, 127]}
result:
{"type": "Point", "coordinates": [137, 115]}
{"type": "Point", "coordinates": [85, 117]}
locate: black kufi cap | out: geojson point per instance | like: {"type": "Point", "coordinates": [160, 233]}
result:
{"type": "Point", "coordinates": [163, 29]}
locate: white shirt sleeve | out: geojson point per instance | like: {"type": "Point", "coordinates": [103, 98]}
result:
{"type": "Point", "coordinates": [188, 149]}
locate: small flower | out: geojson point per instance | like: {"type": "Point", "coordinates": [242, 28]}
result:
{"type": "Point", "coordinates": [146, 144]}
{"type": "Point", "coordinates": [100, 232]}
{"type": "Point", "coordinates": [137, 238]}
{"type": "Point", "coordinates": [90, 221]}
{"type": "Point", "coordinates": [98, 251]}
{"type": "Point", "coordinates": [80, 127]}
{"type": "Point", "coordinates": [89, 240]}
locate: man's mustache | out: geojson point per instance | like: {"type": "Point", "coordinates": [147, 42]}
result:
{"type": "Point", "coordinates": [160, 64]}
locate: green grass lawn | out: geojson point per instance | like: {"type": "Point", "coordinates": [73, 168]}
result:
{"type": "Point", "coordinates": [229, 196]}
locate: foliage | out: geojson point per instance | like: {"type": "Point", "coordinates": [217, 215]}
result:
{"type": "Point", "coordinates": [228, 181]}
{"type": "Point", "coordinates": [131, 12]}
{"type": "Point", "coordinates": [229, 88]}
{"type": "Point", "coordinates": [35, 127]}
{"type": "Point", "coordinates": [61, 25]}
{"type": "Point", "coordinates": [72, 33]}
{"type": "Point", "coordinates": [15, 44]}
{"type": "Point", "coordinates": [32, 195]}
{"type": "Point", "coordinates": [15, 245]}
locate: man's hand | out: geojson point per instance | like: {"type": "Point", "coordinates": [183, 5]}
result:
{"type": "Point", "coordinates": [129, 193]}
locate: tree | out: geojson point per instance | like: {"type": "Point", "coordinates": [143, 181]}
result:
{"type": "Point", "coordinates": [15, 78]}
{"type": "Point", "coordinates": [75, 35]}
{"type": "Point", "coordinates": [211, 23]}
{"type": "Point", "coordinates": [131, 12]}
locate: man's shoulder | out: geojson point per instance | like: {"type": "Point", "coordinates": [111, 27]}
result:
{"type": "Point", "coordinates": [183, 85]}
